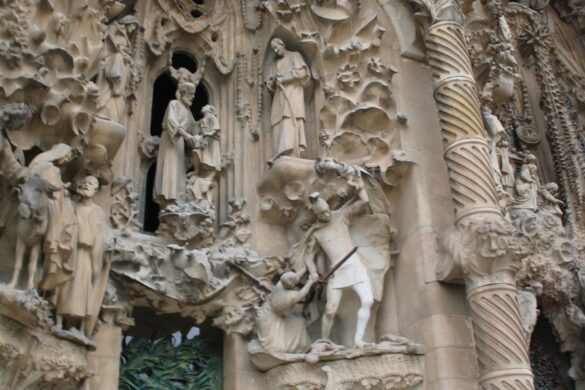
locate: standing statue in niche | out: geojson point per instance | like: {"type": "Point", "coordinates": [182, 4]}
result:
{"type": "Point", "coordinates": [288, 76]}
{"type": "Point", "coordinates": [332, 235]}
{"type": "Point", "coordinates": [81, 297]}
{"type": "Point", "coordinates": [116, 70]}
{"type": "Point", "coordinates": [170, 178]}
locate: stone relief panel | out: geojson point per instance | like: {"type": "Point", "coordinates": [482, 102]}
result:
{"type": "Point", "coordinates": [310, 90]}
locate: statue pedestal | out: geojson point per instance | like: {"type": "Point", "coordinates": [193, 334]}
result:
{"type": "Point", "coordinates": [381, 372]}
{"type": "Point", "coordinates": [36, 359]}
{"type": "Point", "coordinates": [31, 356]}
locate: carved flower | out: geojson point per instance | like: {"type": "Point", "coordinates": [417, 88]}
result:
{"type": "Point", "coordinates": [348, 76]}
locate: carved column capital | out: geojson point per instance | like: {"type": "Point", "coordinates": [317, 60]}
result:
{"type": "Point", "coordinates": [481, 251]}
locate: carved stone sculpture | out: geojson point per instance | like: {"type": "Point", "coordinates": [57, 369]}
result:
{"type": "Point", "coordinates": [461, 123]}
{"type": "Point", "coordinates": [12, 118]}
{"type": "Point", "coordinates": [81, 296]}
{"type": "Point", "coordinates": [61, 235]}
{"type": "Point", "coordinates": [280, 329]}
{"type": "Point", "coordinates": [183, 75]}
{"type": "Point", "coordinates": [209, 155]}
{"type": "Point", "coordinates": [526, 186]}
{"type": "Point", "coordinates": [171, 172]}
{"type": "Point", "coordinates": [116, 72]}
{"type": "Point", "coordinates": [331, 234]}
{"type": "Point", "coordinates": [33, 212]}
{"type": "Point", "coordinates": [288, 76]}
{"type": "Point", "coordinates": [496, 133]}
{"type": "Point", "coordinates": [124, 210]}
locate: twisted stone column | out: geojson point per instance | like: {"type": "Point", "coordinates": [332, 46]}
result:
{"type": "Point", "coordinates": [501, 348]}
{"type": "Point", "coordinates": [462, 130]}
{"type": "Point", "coordinates": [480, 249]}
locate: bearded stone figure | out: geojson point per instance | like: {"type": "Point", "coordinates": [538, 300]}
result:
{"type": "Point", "coordinates": [288, 76]}
{"type": "Point", "coordinates": [81, 297]}
{"type": "Point", "coordinates": [170, 179]}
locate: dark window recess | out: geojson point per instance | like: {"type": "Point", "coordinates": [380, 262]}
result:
{"type": "Point", "coordinates": [151, 209]}
{"type": "Point", "coordinates": [163, 92]}
{"type": "Point", "coordinates": [184, 60]}
{"type": "Point", "coordinates": [30, 154]}
{"type": "Point", "coordinates": [549, 365]}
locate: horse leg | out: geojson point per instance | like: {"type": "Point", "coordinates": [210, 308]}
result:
{"type": "Point", "coordinates": [19, 257]}
{"type": "Point", "coordinates": [35, 254]}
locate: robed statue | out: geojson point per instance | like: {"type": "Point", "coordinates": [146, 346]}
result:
{"type": "Point", "coordinates": [288, 76]}
{"type": "Point", "coordinates": [171, 173]}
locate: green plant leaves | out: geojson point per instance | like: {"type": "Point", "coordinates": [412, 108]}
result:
{"type": "Point", "coordinates": [165, 364]}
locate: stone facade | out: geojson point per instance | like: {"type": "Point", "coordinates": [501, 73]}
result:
{"type": "Point", "coordinates": [371, 194]}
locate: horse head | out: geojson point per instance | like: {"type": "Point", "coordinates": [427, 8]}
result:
{"type": "Point", "coordinates": [33, 197]}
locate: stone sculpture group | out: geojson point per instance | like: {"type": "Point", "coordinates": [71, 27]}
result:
{"type": "Point", "coordinates": [361, 177]}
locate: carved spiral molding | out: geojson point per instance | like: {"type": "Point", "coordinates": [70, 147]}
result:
{"type": "Point", "coordinates": [466, 153]}
{"type": "Point", "coordinates": [501, 348]}
{"type": "Point", "coordinates": [470, 174]}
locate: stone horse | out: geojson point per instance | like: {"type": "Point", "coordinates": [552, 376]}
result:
{"type": "Point", "coordinates": [33, 221]}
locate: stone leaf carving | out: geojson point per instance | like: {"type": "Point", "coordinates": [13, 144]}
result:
{"type": "Point", "coordinates": [223, 282]}
{"type": "Point", "coordinates": [59, 51]}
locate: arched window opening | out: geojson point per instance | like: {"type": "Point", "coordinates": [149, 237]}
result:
{"type": "Point", "coordinates": [184, 60]}
{"type": "Point", "coordinates": [151, 208]}
{"type": "Point", "coordinates": [164, 90]}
